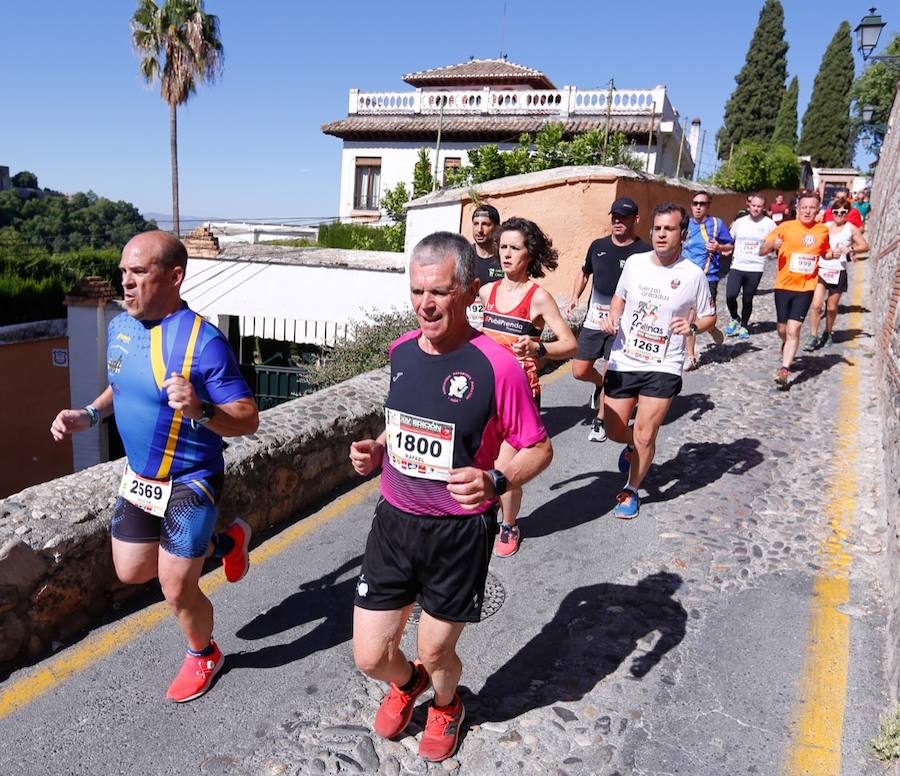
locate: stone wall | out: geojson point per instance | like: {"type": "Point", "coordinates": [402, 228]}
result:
{"type": "Point", "coordinates": [883, 231]}
{"type": "Point", "coordinates": [56, 574]}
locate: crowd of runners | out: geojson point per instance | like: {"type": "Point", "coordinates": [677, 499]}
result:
{"type": "Point", "coordinates": [463, 431]}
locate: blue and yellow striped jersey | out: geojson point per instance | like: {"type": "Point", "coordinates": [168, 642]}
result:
{"type": "Point", "coordinates": [159, 441]}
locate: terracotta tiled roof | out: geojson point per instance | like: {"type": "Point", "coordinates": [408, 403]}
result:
{"type": "Point", "coordinates": [480, 71]}
{"type": "Point", "coordinates": [478, 128]}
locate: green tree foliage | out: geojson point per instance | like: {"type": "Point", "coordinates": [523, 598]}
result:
{"type": "Point", "coordinates": [58, 224]}
{"type": "Point", "coordinates": [367, 350]}
{"type": "Point", "coordinates": [394, 201]}
{"type": "Point", "coordinates": [542, 152]}
{"type": "Point", "coordinates": [826, 131]}
{"type": "Point", "coordinates": [753, 166]}
{"type": "Point", "coordinates": [785, 132]}
{"type": "Point", "coordinates": [782, 168]}
{"type": "Point", "coordinates": [24, 180]}
{"type": "Point", "coordinates": [423, 180]}
{"type": "Point", "coordinates": [753, 106]}
{"type": "Point", "coordinates": [179, 46]}
{"type": "Point", "coordinates": [875, 87]}
{"type": "Point", "coordinates": [362, 237]}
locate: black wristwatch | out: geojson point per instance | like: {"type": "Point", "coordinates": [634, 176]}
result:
{"type": "Point", "coordinates": [499, 480]}
{"type": "Point", "coordinates": [694, 329]}
{"type": "Point", "coordinates": [207, 413]}
{"type": "Point", "coordinates": [542, 351]}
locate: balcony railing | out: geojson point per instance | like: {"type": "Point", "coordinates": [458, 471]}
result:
{"type": "Point", "coordinates": [568, 101]}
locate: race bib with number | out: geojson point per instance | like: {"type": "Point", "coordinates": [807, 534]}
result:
{"type": "Point", "coordinates": [150, 495]}
{"type": "Point", "coordinates": [475, 314]}
{"type": "Point", "coordinates": [745, 248]}
{"type": "Point", "coordinates": [596, 313]}
{"type": "Point", "coordinates": [777, 217]}
{"type": "Point", "coordinates": [803, 263]}
{"type": "Point", "coordinates": [419, 447]}
{"type": "Point", "coordinates": [646, 343]}
{"type": "Point", "coordinates": [830, 276]}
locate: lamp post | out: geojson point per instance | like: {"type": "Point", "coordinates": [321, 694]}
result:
{"type": "Point", "coordinates": [868, 31]}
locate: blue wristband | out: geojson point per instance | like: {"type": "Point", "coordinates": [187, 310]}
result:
{"type": "Point", "coordinates": [94, 415]}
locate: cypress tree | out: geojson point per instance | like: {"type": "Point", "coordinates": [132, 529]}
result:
{"type": "Point", "coordinates": [785, 132]}
{"type": "Point", "coordinates": [751, 110]}
{"type": "Point", "coordinates": [826, 122]}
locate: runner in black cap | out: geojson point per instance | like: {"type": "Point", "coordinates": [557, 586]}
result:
{"type": "Point", "coordinates": [604, 261]}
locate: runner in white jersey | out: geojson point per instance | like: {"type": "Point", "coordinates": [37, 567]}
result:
{"type": "Point", "coordinates": [661, 299]}
{"type": "Point", "coordinates": [845, 239]}
{"type": "Point", "coordinates": [749, 232]}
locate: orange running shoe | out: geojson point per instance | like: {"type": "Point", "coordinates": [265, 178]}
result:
{"type": "Point", "coordinates": [196, 675]}
{"type": "Point", "coordinates": [396, 709]}
{"type": "Point", "coordinates": [441, 736]}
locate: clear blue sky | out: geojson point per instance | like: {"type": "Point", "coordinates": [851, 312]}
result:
{"type": "Point", "coordinates": [76, 112]}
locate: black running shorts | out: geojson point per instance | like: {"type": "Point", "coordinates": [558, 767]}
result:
{"type": "Point", "coordinates": [440, 561]}
{"type": "Point", "coordinates": [713, 290]}
{"type": "Point", "coordinates": [594, 344]}
{"type": "Point", "coordinates": [836, 288]}
{"type": "Point", "coordinates": [792, 305]}
{"type": "Point", "coordinates": [628, 385]}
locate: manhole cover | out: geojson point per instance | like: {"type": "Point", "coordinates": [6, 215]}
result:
{"type": "Point", "coordinates": [494, 596]}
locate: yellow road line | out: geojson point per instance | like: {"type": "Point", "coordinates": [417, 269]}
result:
{"type": "Point", "coordinates": [565, 369]}
{"type": "Point", "coordinates": [56, 670]}
{"type": "Point", "coordinates": [815, 748]}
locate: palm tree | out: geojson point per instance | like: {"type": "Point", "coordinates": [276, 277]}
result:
{"type": "Point", "coordinates": [179, 45]}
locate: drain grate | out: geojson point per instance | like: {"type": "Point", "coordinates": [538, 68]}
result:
{"type": "Point", "coordinates": [494, 597]}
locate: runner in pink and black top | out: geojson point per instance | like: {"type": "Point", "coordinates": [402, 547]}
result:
{"type": "Point", "coordinates": [455, 396]}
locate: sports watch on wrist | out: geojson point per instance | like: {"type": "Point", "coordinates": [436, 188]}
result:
{"type": "Point", "coordinates": [542, 350]}
{"type": "Point", "coordinates": [207, 413]}
{"type": "Point", "coordinates": [499, 480]}
{"type": "Point", "coordinates": [694, 329]}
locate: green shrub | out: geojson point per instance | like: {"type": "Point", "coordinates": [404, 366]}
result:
{"type": "Point", "coordinates": [26, 299]}
{"type": "Point", "coordinates": [746, 170]}
{"type": "Point", "coordinates": [782, 168]}
{"type": "Point", "coordinates": [366, 351]}
{"type": "Point", "coordinates": [886, 745]}
{"type": "Point", "coordinates": [362, 237]}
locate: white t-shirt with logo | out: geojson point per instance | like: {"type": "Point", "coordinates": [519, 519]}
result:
{"type": "Point", "coordinates": [748, 236]}
{"type": "Point", "coordinates": [654, 295]}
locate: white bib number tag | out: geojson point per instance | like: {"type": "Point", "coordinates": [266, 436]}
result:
{"type": "Point", "coordinates": [647, 344]}
{"type": "Point", "coordinates": [419, 447]}
{"type": "Point", "coordinates": [475, 314]}
{"type": "Point", "coordinates": [596, 313]}
{"type": "Point", "coordinates": [150, 495]}
{"type": "Point", "coordinates": [830, 276]}
{"type": "Point", "coordinates": [777, 217]}
{"type": "Point", "coordinates": [803, 263]}
{"type": "Point", "coordinates": [746, 248]}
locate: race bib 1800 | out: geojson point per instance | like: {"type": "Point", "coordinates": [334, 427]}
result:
{"type": "Point", "coordinates": [150, 495]}
{"type": "Point", "coordinates": [419, 447]}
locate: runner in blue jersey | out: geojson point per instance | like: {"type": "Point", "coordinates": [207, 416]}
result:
{"type": "Point", "coordinates": [708, 239]}
{"type": "Point", "coordinates": [176, 390]}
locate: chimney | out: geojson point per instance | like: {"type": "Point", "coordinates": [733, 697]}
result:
{"type": "Point", "coordinates": [694, 140]}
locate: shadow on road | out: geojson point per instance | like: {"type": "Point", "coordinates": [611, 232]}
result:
{"type": "Point", "coordinates": [697, 404]}
{"type": "Point", "coordinates": [722, 354]}
{"type": "Point", "coordinates": [324, 599]}
{"type": "Point", "coordinates": [812, 366]}
{"type": "Point", "coordinates": [848, 335]}
{"type": "Point", "coordinates": [698, 464]}
{"type": "Point", "coordinates": [762, 327]}
{"type": "Point", "coordinates": [574, 507]}
{"type": "Point", "coordinates": [844, 309]}
{"type": "Point", "coordinates": [559, 419]}
{"type": "Point", "coordinates": [595, 629]}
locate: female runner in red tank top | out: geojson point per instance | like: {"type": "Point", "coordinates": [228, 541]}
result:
{"type": "Point", "coordinates": [516, 309]}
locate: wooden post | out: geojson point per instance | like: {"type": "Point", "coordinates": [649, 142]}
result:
{"type": "Point", "coordinates": [608, 117]}
{"type": "Point", "coordinates": [650, 138]}
{"type": "Point", "coordinates": [437, 148]}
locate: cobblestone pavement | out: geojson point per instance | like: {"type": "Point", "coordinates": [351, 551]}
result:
{"type": "Point", "coordinates": [737, 525]}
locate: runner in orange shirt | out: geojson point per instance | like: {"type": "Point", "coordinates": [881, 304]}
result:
{"type": "Point", "coordinates": [800, 245]}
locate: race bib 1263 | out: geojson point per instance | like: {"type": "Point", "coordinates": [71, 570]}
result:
{"type": "Point", "coordinates": [419, 447]}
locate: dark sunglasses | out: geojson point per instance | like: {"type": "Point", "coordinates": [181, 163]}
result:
{"type": "Point", "coordinates": [700, 204]}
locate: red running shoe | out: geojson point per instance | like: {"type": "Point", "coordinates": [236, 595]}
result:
{"type": "Point", "coordinates": [196, 676]}
{"type": "Point", "coordinates": [396, 709]}
{"type": "Point", "coordinates": [237, 562]}
{"type": "Point", "coordinates": [441, 736]}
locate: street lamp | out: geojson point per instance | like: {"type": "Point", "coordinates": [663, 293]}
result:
{"type": "Point", "coordinates": [868, 31]}
{"type": "Point", "coordinates": [867, 112]}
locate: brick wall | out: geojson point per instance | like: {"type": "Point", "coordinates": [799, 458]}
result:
{"type": "Point", "coordinates": [883, 231]}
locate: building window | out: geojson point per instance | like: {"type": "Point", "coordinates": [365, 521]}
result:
{"type": "Point", "coordinates": [450, 163]}
{"type": "Point", "coordinates": [368, 183]}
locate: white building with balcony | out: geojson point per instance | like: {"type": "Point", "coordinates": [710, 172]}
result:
{"type": "Point", "coordinates": [490, 101]}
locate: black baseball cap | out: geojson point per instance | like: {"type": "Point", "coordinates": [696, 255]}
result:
{"type": "Point", "coordinates": [487, 210]}
{"type": "Point", "coordinates": [624, 206]}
